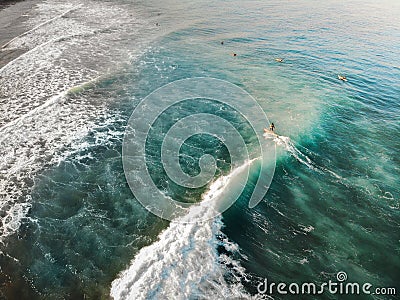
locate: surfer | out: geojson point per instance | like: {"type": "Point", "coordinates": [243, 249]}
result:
{"type": "Point", "coordinates": [279, 60]}
{"type": "Point", "coordinates": [271, 127]}
{"type": "Point", "coordinates": [342, 78]}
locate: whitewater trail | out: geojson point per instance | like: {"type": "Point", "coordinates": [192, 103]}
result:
{"type": "Point", "coordinates": [184, 263]}
{"type": "Point", "coordinates": [289, 146]}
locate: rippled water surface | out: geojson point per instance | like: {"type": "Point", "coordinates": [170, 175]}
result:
{"type": "Point", "coordinates": [71, 227]}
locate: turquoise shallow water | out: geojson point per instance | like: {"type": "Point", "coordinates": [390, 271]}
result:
{"type": "Point", "coordinates": [333, 204]}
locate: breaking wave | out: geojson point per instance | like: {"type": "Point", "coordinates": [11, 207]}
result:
{"type": "Point", "coordinates": [184, 263]}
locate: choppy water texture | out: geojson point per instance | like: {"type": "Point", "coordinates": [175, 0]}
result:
{"type": "Point", "coordinates": [70, 226]}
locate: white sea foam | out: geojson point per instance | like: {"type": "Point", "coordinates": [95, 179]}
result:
{"type": "Point", "coordinates": [289, 146]}
{"type": "Point", "coordinates": [184, 263]}
{"type": "Point", "coordinates": [287, 143]}
{"type": "Point", "coordinates": [70, 43]}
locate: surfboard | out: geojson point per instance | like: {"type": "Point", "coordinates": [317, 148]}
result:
{"type": "Point", "coordinates": [269, 132]}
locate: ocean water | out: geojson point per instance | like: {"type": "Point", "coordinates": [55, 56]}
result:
{"type": "Point", "coordinates": [71, 227]}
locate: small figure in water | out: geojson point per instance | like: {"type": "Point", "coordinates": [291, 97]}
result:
{"type": "Point", "coordinates": [342, 78]}
{"type": "Point", "coordinates": [272, 127]}
{"type": "Point", "coordinates": [222, 42]}
{"type": "Point", "coordinates": [279, 60]}
{"type": "Point", "coordinates": [234, 54]}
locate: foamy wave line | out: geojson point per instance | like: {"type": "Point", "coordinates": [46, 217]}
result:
{"type": "Point", "coordinates": [184, 263]}
{"type": "Point", "coordinates": [51, 101]}
{"type": "Point", "coordinates": [22, 161]}
{"type": "Point", "coordinates": [34, 111]}
{"type": "Point", "coordinates": [42, 45]}
{"type": "Point", "coordinates": [289, 146]}
{"type": "Point", "coordinates": [42, 24]}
